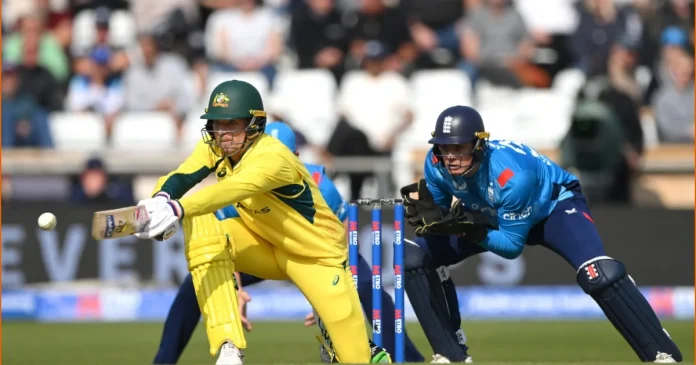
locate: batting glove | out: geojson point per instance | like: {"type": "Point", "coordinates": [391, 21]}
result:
{"type": "Point", "coordinates": [148, 203]}
{"type": "Point", "coordinates": [164, 219]}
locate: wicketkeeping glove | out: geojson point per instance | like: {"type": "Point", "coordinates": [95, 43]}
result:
{"type": "Point", "coordinates": [421, 211]}
{"type": "Point", "coordinates": [427, 218]}
{"type": "Point", "coordinates": [460, 221]}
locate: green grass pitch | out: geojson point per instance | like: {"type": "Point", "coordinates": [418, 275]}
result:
{"type": "Point", "coordinates": [491, 342]}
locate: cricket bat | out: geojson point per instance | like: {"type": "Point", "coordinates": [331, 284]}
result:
{"type": "Point", "coordinates": [120, 222]}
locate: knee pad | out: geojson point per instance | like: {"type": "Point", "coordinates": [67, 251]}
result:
{"type": "Point", "coordinates": [205, 241]}
{"type": "Point", "coordinates": [415, 257]}
{"type": "Point", "coordinates": [607, 282]}
{"type": "Point", "coordinates": [600, 273]}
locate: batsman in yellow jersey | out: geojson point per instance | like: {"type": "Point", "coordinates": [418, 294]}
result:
{"type": "Point", "coordinates": [286, 231]}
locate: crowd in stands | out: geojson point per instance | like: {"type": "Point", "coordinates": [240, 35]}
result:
{"type": "Point", "coordinates": [112, 57]}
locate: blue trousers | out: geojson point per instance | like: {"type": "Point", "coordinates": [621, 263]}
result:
{"type": "Point", "coordinates": [184, 315]}
{"type": "Point", "coordinates": [568, 231]}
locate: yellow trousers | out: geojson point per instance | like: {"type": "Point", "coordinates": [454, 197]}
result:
{"type": "Point", "coordinates": [328, 288]}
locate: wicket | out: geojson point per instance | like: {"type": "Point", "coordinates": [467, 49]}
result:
{"type": "Point", "coordinates": [353, 255]}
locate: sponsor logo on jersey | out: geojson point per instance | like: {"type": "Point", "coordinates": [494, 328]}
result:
{"type": "Point", "coordinates": [514, 216]}
{"type": "Point", "coordinates": [263, 210]}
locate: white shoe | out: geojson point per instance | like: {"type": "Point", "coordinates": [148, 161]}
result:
{"type": "Point", "coordinates": [230, 355]}
{"type": "Point", "coordinates": [439, 359]}
{"type": "Point", "coordinates": [663, 358]}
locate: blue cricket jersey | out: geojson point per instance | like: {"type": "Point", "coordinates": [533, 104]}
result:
{"type": "Point", "coordinates": [516, 186]}
{"type": "Point", "coordinates": [326, 187]}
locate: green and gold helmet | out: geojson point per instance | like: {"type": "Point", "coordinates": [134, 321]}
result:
{"type": "Point", "coordinates": [235, 100]}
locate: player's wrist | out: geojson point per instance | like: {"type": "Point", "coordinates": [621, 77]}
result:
{"type": "Point", "coordinates": [177, 208]}
{"type": "Point", "coordinates": [162, 195]}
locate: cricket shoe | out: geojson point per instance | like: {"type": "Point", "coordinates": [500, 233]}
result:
{"type": "Point", "coordinates": [325, 357]}
{"type": "Point", "coordinates": [379, 355]}
{"type": "Point", "coordinates": [326, 351]}
{"type": "Point", "coordinates": [663, 358]}
{"type": "Point", "coordinates": [439, 359]}
{"type": "Point", "coordinates": [230, 355]}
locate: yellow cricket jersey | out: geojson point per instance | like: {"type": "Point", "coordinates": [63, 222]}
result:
{"type": "Point", "coordinates": [273, 192]}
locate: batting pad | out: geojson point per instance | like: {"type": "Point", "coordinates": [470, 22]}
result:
{"type": "Point", "coordinates": [217, 297]}
{"type": "Point", "coordinates": [211, 264]}
{"type": "Point", "coordinates": [606, 281]}
{"type": "Point", "coordinates": [430, 305]}
{"type": "Point", "coordinates": [206, 241]}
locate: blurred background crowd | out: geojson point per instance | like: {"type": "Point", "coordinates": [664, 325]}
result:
{"type": "Point", "coordinates": [594, 82]}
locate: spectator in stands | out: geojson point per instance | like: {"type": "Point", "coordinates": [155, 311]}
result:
{"type": "Point", "coordinates": [245, 38]}
{"type": "Point", "coordinates": [433, 29]}
{"type": "Point", "coordinates": [159, 81]}
{"type": "Point", "coordinates": [679, 13]}
{"type": "Point", "coordinates": [24, 122]}
{"type": "Point", "coordinates": [102, 20]}
{"type": "Point", "coordinates": [673, 104]}
{"type": "Point", "coordinates": [149, 15]}
{"type": "Point", "coordinates": [94, 30]}
{"type": "Point", "coordinates": [623, 95]}
{"type": "Point", "coordinates": [551, 28]}
{"type": "Point", "coordinates": [94, 88]}
{"type": "Point", "coordinates": [374, 109]}
{"type": "Point", "coordinates": [35, 79]}
{"type": "Point", "coordinates": [58, 21]}
{"type": "Point", "coordinates": [389, 26]}
{"type": "Point", "coordinates": [318, 37]}
{"type": "Point", "coordinates": [674, 42]}
{"type": "Point", "coordinates": [497, 47]}
{"type": "Point", "coordinates": [601, 24]}
{"type": "Point", "coordinates": [94, 185]}
{"type": "Point", "coordinates": [622, 64]}
{"type": "Point", "coordinates": [49, 52]}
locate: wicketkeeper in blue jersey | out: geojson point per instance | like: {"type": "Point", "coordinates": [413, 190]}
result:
{"type": "Point", "coordinates": [185, 314]}
{"type": "Point", "coordinates": [508, 196]}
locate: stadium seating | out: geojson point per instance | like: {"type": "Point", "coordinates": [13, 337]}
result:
{"type": "Point", "coordinates": [122, 30]}
{"type": "Point", "coordinates": [254, 78]}
{"type": "Point", "coordinates": [145, 131]}
{"type": "Point", "coordinates": [305, 99]}
{"type": "Point", "coordinates": [78, 131]}
{"type": "Point", "coordinates": [432, 92]}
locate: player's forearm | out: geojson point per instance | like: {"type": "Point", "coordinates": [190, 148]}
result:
{"type": "Point", "coordinates": [500, 244]}
{"type": "Point", "coordinates": [191, 172]}
{"type": "Point", "coordinates": [217, 196]}
{"type": "Point", "coordinates": [231, 190]}
{"type": "Point", "coordinates": [177, 183]}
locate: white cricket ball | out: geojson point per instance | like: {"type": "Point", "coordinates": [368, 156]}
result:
{"type": "Point", "coordinates": [47, 221]}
